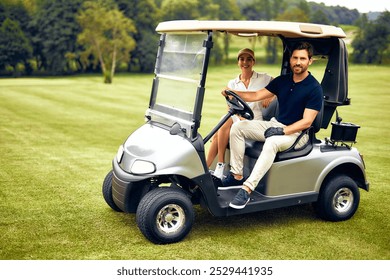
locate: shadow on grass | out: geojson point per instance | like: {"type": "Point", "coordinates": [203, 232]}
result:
{"type": "Point", "coordinates": [281, 216]}
{"type": "Point", "coordinates": [263, 219]}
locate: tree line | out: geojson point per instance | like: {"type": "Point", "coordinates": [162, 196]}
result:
{"type": "Point", "coordinates": [56, 37]}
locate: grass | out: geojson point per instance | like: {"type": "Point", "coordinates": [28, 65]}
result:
{"type": "Point", "coordinates": [59, 135]}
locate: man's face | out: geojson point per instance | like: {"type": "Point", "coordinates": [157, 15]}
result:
{"type": "Point", "coordinates": [300, 61]}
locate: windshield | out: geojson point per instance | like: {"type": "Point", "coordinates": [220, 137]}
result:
{"type": "Point", "coordinates": [178, 74]}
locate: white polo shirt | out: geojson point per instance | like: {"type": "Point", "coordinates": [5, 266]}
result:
{"type": "Point", "coordinates": [258, 81]}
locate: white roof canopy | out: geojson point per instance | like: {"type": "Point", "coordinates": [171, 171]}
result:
{"type": "Point", "coordinates": [253, 28]}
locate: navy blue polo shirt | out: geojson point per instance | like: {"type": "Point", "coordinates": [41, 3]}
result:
{"type": "Point", "coordinates": [294, 97]}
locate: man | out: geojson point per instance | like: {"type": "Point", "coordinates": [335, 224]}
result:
{"type": "Point", "coordinates": [300, 99]}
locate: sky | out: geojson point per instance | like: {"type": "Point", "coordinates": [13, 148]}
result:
{"type": "Point", "coordinates": [363, 6]}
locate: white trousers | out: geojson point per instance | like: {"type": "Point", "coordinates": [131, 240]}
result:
{"type": "Point", "coordinates": [254, 130]}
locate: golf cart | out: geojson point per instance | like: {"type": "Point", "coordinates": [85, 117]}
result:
{"type": "Point", "coordinates": [160, 171]}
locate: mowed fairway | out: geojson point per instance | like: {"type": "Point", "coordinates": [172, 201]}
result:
{"type": "Point", "coordinates": [59, 135]}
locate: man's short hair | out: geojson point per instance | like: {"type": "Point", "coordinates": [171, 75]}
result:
{"type": "Point", "coordinates": [304, 46]}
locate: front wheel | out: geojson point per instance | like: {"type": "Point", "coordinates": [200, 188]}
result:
{"type": "Point", "coordinates": [165, 215]}
{"type": "Point", "coordinates": [339, 199]}
{"type": "Point", "coordinates": [107, 192]}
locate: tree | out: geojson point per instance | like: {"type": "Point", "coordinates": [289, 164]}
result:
{"type": "Point", "coordinates": [383, 33]}
{"type": "Point", "coordinates": [304, 6]}
{"type": "Point", "coordinates": [294, 14]}
{"type": "Point", "coordinates": [333, 14]}
{"type": "Point", "coordinates": [180, 9]}
{"type": "Point", "coordinates": [219, 10]}
{"type": "Point", "coordinates": [106, 35]}
{"type": "Point", "coordinates": [266, 10]}
{"type": "Point", "coordinates": [3, 12]}
{"type": "Point", "coordinates": [257, 10]}
{"type": "Point", "coordinates": [372, 42]}
{"type": "Point", "coordinates": [276, 7]}
{"type": "Point", "coordinates": [212, 9]}
{"type": "Point", "coordinates": [319, 17]}
{"type": "Point", "coordinates": [146, 16]}
{"type": "Point", "coordinates": [222, 10]}
{"type": "Point", "coordinates": [54, 32]}
{"type": "Point", "coordinates": [14, 45]}
{"type": "Point", "coordinates": [17, 11]}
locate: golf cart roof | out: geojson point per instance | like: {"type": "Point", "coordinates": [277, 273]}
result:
{"type": "Point", "coordinates": [327, 41]}
{"type": "Point", "coordinates": [253, 28]}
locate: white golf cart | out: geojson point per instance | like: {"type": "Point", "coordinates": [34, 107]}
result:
{"type": "Point", "coordinates": [160, 171]}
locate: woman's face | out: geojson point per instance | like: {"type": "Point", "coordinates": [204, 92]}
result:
{"type": "Point", "coordinates": [245, 62]}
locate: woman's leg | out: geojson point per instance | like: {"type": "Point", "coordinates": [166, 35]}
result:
{"type": "Point", "coordinates": [223, 139]}
{"type": "Point", "coordinates": [213, 151]}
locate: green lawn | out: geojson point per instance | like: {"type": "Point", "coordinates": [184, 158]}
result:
{"type": "Point", "coordinates": [59, 135]}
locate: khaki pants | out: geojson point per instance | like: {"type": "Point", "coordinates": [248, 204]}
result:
{"type": "Point", "coordinates": [254, 130]}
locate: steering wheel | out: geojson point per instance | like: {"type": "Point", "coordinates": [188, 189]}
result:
{"type": "Point", "coordinates": [238, 105]}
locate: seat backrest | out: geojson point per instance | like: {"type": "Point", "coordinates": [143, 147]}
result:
{"type": "Point", "coordinates": [271, 111]}
{"type": "Point", "coordinates": [335, 81]}
{"type": "Point", "coordinates": [317, 123]}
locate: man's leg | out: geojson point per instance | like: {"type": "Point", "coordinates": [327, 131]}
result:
{"type": "Point", "coordinates": [240, 131]}
{"type": "Point", "coordinates": [272, 146]}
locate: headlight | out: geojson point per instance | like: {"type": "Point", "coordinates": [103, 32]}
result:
{"type": "Point", "coordinates": [119, 154]}
{"type": "Point", "coordinates": [140, 167]}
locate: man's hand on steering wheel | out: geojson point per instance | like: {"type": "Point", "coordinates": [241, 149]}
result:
{"type": "Point", "coordinates": [223, 92]}
{"type": "Point", "coordinates": [237, 104]}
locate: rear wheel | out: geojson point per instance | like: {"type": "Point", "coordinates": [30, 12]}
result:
{"type": "Point", "coordinates": [107, 192]}
{"type": "Point", "coordinates": [339, 199]}
{"type": "Point", "coordinates": [165, 215]}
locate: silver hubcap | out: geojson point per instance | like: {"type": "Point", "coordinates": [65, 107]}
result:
{"type": "Point", "coordinates": [343, 200]}
{"type": "Point", "coordinates": [170, 218]}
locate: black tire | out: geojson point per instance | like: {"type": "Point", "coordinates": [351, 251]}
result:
{"type": "Point", "coordinates": [165, 215]}
{"type": "Point", "coordinates": [107, 192]}
{"type": "Point", "coordinates": [339, 199]}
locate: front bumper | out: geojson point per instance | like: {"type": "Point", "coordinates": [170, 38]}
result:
{"type": "Point", "coordinates": [127, 189]}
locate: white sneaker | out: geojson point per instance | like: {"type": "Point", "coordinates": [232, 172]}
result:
{"type": "Point", "coordinates": [218, 172]}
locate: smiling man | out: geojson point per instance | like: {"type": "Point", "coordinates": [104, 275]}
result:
{"type": "Point", "coordinates": [300, 99]}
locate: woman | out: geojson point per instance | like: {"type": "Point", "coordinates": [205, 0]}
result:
{"type": "Point", "coordinates": [248, 80]}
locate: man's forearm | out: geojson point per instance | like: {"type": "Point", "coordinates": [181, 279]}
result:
{"type": "Point", "coordinates": [252, 96]}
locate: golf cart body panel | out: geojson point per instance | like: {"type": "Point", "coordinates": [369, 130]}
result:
{"type": "Point", "coordinates": [296, 175]}
{"type": "Point", "coordinates": [168, 153]}
{"type": "Point", "coordinates": [141, 149]}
